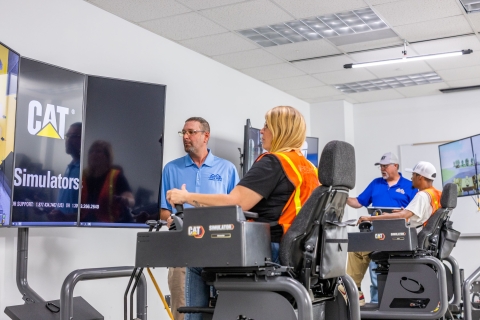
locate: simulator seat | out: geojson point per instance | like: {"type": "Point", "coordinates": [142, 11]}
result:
{"type": "Point", "coordinates": [413, 283]}
{"type": "Point", "coordinates": [313, 255]}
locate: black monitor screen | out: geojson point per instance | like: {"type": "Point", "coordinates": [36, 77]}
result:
{"type": "Point", "coordinates": [311, 149]}
{"type": "Point", "coordinates": [252, 146]}
{"type": "Point", "coordinates": [457, 161]}
{"type": "Point", "coordinates": [47, 145]}
{"type": "Point", "coordinates": [122, 155]}
{"type": "Point", "coordinates": [9, 62]}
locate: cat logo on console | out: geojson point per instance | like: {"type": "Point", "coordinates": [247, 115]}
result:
{"type": "Point", "coordinates": [47, 122]}
{"type": "Point", "coordinates": [379, 236]}
{"type": "Point", "coordinates": [196, 231]}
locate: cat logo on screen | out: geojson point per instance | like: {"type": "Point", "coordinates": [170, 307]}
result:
{"type": "Point", "coordinates": [47, 122]}
{"type": "Point", "coordinates": [196, 231]}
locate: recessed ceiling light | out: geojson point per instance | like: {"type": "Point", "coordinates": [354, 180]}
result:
{"type": "Point", "coordinates": [389, 83]}
{"type": "Point", "coordinates": [314, 28]}
{"type": "Point", "coordinates": [471, 5]}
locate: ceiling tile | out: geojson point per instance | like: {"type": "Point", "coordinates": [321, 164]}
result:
{"type": "Point", "coordinates": [423, 90]}
{"type": "Point", "coordinates": [375, 2]}
{"type": "Point", "coordinates": [389, 94]}
{"type": "Point", "coordinates": [376, 55]}
{"type": "Point", "coordinates": [249, 14]}
{"type": "Point", "coordinates": [303, 50]}
{"type": "Point", "coordinates": [332, 98]}
{"type": "Point", "coordinates": [475, 19]}
{"type": "Point", "coordinates": [446, 45]}
{"type": "Point", "coordinates": [372, 44]}
{"type": "Point", "coordinates": [464, 83]}
{"type": "Point", "coordinates": [345, 76]}
{"type": "Point", "coordinates": [274, 71]}
{"type": "Point", "coordinates": [434, 29]}
{"type": "Point", "coordinates": [248, 59]}
{"type": "Point", "coordinates": [323, 64]}
{"type": "Point", "coordinates": [141, 10]}
{"type": "Point", "coordinates": [310, 8]}
{"type": "Point", "coordinates": [413, 11]}
{"type": "Point", "coordinates": [293, 83]}
{"type": "Point", "coordinates": [459, 73]}
{"type": "Point", "coordinates": [206, 4]}
{"type": "Point", "coordinates": [400, 69]}
{"type": "Point", "coordinates": [466, 60]}
{"type": "Point", "coordinates": [184, 26]}
{"type": "Point", "coordinates": [315, 92]}
{"type": "Point", "coordinates": [218, 44]}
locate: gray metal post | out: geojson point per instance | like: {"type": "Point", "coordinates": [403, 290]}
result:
{"type": "Point", "coordinates": [352, 294]}
{"type": "Point", "coordinates": [457, 283]}
{"type": "Point", "coordinates": [66, 294]}
{"type": "Point", "coordinates": [28, 294]}
{"type": "Point", "coordinates": [467, 304]}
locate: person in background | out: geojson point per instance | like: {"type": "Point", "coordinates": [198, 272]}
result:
{"type": "Point", "coordinates": [200, 171]}
{"type": "Point", "coordinates": [391, 190]}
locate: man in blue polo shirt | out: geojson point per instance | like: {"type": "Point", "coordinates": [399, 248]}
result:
{"type": "Point", "coordinates": [391, 190]}
{"type": "Point", "coordinates": [202, 172]}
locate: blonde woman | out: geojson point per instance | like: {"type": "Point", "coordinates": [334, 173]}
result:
{"type": "Point", "coordinates": [275, 187]}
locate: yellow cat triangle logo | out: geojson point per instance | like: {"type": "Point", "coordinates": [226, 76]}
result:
{"type": "Point", "coordinates": [49, 132]}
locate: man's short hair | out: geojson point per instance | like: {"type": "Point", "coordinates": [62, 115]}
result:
{"type": "Point", "coordinates": [203, 123]}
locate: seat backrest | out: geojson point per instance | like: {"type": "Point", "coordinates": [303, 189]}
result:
{"type": "Point", "coordinates": [325, 205]}
{"type": "Point", "coordinates": [434, 224]}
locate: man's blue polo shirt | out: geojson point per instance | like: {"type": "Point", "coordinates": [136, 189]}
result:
{"type": "Point", "coordinates": [380, 194]}
{"type": "Point", "coordinates": [215, 176]}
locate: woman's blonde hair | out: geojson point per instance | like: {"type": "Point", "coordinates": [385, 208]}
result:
{"type": "Point", "coordinates": [288, 128]}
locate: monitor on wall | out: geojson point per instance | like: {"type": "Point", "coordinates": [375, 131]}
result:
{"type": "Point", "coordinates": [122, 154]}
{"type": "Point", "coordinates": [9, 68]}
{"type": "Point", "coordinates": [252, 146]}
{"type": "Point", "coordinates": [459, 166]}
{"type": "Point", "coordinates": [48, 136]}
{"type": "Point", "coordinates": [311, 149]}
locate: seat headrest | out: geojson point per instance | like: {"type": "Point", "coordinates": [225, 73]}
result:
{"type": "Point", "coordinates": [449, 196]}
{"type": "Point", "coordinates": [337, 165]}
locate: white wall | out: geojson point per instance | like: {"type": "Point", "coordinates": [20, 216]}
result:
{"type": "Point", "coordinates": [383, 126]}
{"type": "Point", "coordinates": [76, 35]}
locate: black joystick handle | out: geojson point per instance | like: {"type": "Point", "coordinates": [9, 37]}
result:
{"type": "Point", "coordinates": [179, 208]}
{"type": "Point", "coordinates": [152, 224]}
{"type": "Point", "coordinates": [365, 226]}
{"type": "Point", "coordinates": [177, 218]}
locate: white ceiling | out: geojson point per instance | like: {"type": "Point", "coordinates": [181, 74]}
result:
{"type": "Point", "coordinates": [209, 27]}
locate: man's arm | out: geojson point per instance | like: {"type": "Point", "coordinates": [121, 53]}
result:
{"type": "Point", "coordinates": [402, 214]}
{"type": "Point", "coordinates": [353, 202]}
{"type": "Point", "coordinates": [165, 214]}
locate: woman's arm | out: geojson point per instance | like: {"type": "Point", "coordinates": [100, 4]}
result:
{"type": "Point", "coordinates": [242, 196]}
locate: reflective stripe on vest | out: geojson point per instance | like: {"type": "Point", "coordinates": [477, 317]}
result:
{"type": "Point", "coordinates": [435, 196]}
{"type": "Point", "coordinates": [304, 177]}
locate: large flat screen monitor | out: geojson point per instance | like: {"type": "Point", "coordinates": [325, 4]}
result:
{"type": "Point", "coordinates": [9, 65]}
{"type": "Point", "coordinates": [311, 150]}
{"type": "Point", "coordinates": [122, 155]}
{"type": "Point", "coordinates": [457, 160]}
{"type": "Point", "coordinates": [47, 145]}
{"type": "Point", "coordinates": [252, 146]}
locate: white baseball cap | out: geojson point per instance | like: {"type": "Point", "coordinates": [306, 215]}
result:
{"type": "Point", "coordinates": [425, 169]}
{"type": "Point", "coordinates": [388, 158]}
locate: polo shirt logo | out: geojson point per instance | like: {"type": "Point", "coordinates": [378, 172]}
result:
{"type": "Point", "coordinates": [215, 177]}
{"type": "Point", "coordinates": [399, 190]}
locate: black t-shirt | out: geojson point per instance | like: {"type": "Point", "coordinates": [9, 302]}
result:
{"type": "Point", "coordinates": [267, 178]}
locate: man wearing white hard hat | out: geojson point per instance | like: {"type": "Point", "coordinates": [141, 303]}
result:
{"type": "Point", "coordinates": [423, 205]}
{"type": "Point", "coordinates": [391, 190]}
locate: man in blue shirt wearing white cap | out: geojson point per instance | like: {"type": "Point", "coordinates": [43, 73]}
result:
{"type": "Point", "coordinates": [391, 190]}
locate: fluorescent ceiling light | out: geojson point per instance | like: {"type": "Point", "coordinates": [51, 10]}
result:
{"type": "Point", "coordinates": [314, 28]}
{"type": "Point", "coordinates": [389, 83]}
{"type": "Point", "coordinates": [407, 59]}
{"type": "Point", "coordinates": [471, 6]}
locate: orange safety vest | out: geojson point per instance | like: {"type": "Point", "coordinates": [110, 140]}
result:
{"type": "Point", "coordinates": [304, 177]}
{"type": "Point", "coordinates": [109, 210]}
{"type": "Point", "coordinates": [435, 196]}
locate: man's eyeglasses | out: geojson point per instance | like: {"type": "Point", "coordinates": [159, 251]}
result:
{"type": "Point", "coordinates": [189, 132]}
{"type": "Point", "coordinates": [383, 166]}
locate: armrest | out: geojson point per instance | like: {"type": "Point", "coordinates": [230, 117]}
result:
{"type": "Point", "coordinates": [250, 215]}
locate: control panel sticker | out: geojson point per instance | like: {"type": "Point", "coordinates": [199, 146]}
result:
{"type": "Point", "coordinates": [379, 236]}
{"type": "Point", "coordinates": [196, 231]}
{"type": "Point", "coordinates": [220, 227]}
{"type": "Point", "coordinates": [398, 238]}
{"type": "Point", "coordinates": [393, 234]}
{"type": "Point", "coordinates": [221, 235]}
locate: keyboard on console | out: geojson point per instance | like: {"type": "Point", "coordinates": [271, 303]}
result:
{"type": "Point", "coordinates": [210, 237]}
{"type": "Point", "coordinates": [386, 235]}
